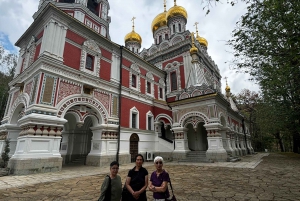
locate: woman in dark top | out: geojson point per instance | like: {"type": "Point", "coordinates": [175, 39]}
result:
{"type": "Point", "coordinates": [112, 184]}
{"type": "Point", "coordinates": [137, 181]}
{"type": "Point", "coordinates": [159, 181]}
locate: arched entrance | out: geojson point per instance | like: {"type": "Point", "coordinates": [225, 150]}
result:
{"type": "Point", "coordinates": [134, 146]}
{"type": "Point", "coordinates": [77, 135]}
{"type": "Point", "coordinates": [196, 134]}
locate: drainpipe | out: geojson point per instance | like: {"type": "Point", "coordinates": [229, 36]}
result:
{"type": "Point", "coordinates": [120, 91]}
{"type": "Point", "coordinates": [169, 107]}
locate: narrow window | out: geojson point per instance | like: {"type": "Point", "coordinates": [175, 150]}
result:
{"type": "Point", "coordinates": [89, 62]}
{"type": "Point", "coordinates": [149, 123]}
{"type": "Point", "coordinates": [160, 39]}
{"type": "Point", "coordinates": [174, 31]}
{"type": "Point", "coordinates": [160, 93]}
{"type": "Point", "coordinates": [167, 37]}
{"type": "Point", "coordinates": [133, 81]}
{"type": "Point", "coordinates": [133, 125]}
{"type": "Point", "coordinates": [148, 87]}
{"type": "Point", "coordinates": [179, 27]}
{"type": "Point", "coordinates": [173, 81]}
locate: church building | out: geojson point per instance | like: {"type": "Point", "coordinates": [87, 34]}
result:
{"type": "Point", "coordinates": [78, 96]}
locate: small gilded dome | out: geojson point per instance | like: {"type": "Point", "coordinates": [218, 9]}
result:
{"type": "Point", "coordinates": [133, 37]}
{"type": "Point", "coordinates": [159, 21]}
{"type": "Point", "coordinates": [193, 50]}
{"type": "Point", "coordinates": [202, 41]}
{"type": "Point", "coordinates": [227, 88]}
{"type": "Point", "coordinates": [177, 11]}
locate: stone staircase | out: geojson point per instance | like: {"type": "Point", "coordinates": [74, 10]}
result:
{"type": "Point", "coordinates": [195, 157]}
{"type": "Point", "coordinates": [79, 161]}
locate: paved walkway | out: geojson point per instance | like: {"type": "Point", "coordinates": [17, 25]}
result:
{"type": "Point", "coordinates": [274, 177]}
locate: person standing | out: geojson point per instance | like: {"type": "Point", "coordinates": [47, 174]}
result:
{"type": "Point", "coordinates": [137, 181]}
{"type": "Point", "coordinates": [159, 181]}
{"type": "Point", "coordinates": [111, 189]}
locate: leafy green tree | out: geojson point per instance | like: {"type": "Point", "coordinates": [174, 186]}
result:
{"type": "Point", "coordinates": [8, 63]}
{"type": "Point", "coordinates": [5, 154]}
{"type": "Point", "coordinates": [266, 45]}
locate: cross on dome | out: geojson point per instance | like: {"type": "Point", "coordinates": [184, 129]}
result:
{"type": "Point", "coordinates": [133, 18]}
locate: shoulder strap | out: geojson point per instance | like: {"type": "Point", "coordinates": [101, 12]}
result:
{"type": "Point", "coordinates": [171, 186]}
{"type": "Point", "coordinates": [108, 190]}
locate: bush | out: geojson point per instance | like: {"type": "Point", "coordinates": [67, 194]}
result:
{"type": "Point", "coordinates": [4, 155]}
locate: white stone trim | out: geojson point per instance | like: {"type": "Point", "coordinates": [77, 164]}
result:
{"type": "Point", "coordinates": [149, 114]}
{"type": "Point", "coordinates": [134, 111]}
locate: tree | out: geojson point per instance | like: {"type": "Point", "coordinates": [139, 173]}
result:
{"type": "Point", "coordinates": [5, 154]}
{"type": "Point", "coordinates": [8, 63]}
{"type": "Point", "coordinates": [266, 45]}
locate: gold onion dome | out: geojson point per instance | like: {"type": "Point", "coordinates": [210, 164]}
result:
{"type": "Point", "coordinates": [177, 11]}
{"type": "Point", "coordinates": [227, 88]}
{"type": "Point", "coordinates": [193, 50]}
{"type": "Point", "coordinates": [133, 37]}
{"type": "Point", "coordinates": [202, 41]}
{"type": "Point", "coordinates": [159, 21]}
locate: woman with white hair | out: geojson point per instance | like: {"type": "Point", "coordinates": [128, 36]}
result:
{"type": "Point", "coordinates": [159, 181]}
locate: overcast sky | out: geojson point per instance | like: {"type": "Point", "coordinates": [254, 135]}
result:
{"type": "Point", "coordinates": [216, 27]}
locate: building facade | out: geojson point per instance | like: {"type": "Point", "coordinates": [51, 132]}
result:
{"type": "Point", "coordinates": [77, 94]}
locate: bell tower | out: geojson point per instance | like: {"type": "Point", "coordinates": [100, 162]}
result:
{"type": "Point", "coordinates": [93, 13]}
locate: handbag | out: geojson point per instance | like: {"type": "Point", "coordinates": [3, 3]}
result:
{"type": "Point", "coordinates": [173, 198]}
{"type": "Point", "coordinates": [125, 193]}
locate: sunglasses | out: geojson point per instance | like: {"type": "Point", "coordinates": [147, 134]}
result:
{"type": "Point", "coordinates": [158, 162]}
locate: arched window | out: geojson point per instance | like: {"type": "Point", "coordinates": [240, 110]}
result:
{"type": "Point", "coordinates": [167, 37]}
{"type": "Point", "coordinates": [179, 27]}
{"type": "Point", "coordinates": [173, 81]}
{"type": "Point", "coordinates": [160, 39]}
{"type": "Point", "coordinates": [174, 29]}
{"type": "Point", "coordinates": [133, 80]}
{"type": "Point", "coordinates": [89, 62]}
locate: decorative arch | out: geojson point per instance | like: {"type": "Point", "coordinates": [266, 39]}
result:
{"type": "Point", "coordinates": [71, 101]}
{"type": "Point", "coordinates": [177, 39]}
{"type": "Point", "coordinates": [193, 114]}
{"type": "Point", "coordinates": [21, 99]}
{"type": "Point", "coordinates": [150, 76]}
{"type": "Point", "coordinates": [194, 121]}
{"type": "Point", "coordinates": [164, 45]}
{"type": "Point", "coordinates": [134, 67]}
{"type": "Point", "coordinates": [196, 93]}
{"type": "Point", "coordinates": [184, 96]}
{"type": "Point", "coordinates": [164, 116]}
{"type": "Point", "coordinates": [153, 50]}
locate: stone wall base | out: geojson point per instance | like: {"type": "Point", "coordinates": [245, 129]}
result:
{"type": "Point", "coordinates": [216, 155]}
{"type": "Point", "coordinates": [179, 155]}
{"type": "Point", "coordinates": [34, 165]}
{"type": "Point", "coordinates": [100, 161]}
{"type": "Point", "coordinates": [167, 156]}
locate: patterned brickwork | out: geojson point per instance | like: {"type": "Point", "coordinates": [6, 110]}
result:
{"type": "Point", "coordinates": [66, 89]}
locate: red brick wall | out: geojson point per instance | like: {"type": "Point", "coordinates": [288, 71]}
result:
{"type": "Point", "coordinates": [105, 70]}
{"type": "Point", "coordinates": [171, 99]}
{"type": "Point", "coordinates": [158, 111]}
{"type": "Point", "coordinates": [37, 51]}
{"type": "Point", "coordinates": [179, 59]}
{"type": "Point", "coordinates": [126, 63]}
{"type": "Point", "coordinates": [156, 88]}
{"type": "Point", "coordinates": [40, 35]}
{"type": "Point", "coordinates": [75, 37]}
{"type": "Point", "coordinates": [72, 56]}
{"type": "Point", "coordinates": [106, 53]}
{"type": "Point", "coordinates": [182, 78]}
{"type": "Point", "coordinates": [125, 77]}
{"type": "Point", "coordinates": [127, 104]}
{"type": "Point", "coordinates": [143, 86]}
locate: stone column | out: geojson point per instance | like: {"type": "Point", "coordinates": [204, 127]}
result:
{"type": "Point", "coordinates": [216, 151]}
{"type": "Point", "coordinates": [238, 146]}
{"type": "Point", "coordinates": [227, 143]}
{"type": "Point", "coordinates": [104, 145]}
{"type": "Point", "coordinates": [181, 143]}
{"type": "Point", "coordinates": [64, 146]}
{"type": "Point", "coordinates": [233, 144]}
{"type": "Point", "coordinates": [250, 145]}
{"type": "Point", "coordinates": [242, 143]}
{"type": "Point", "coordinates": [38, 145]}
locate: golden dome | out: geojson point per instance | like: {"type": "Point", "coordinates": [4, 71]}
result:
{"type": "Point", "coordinates": [193, 50]}
{"type": "Point", "coordinates": [227, 88]}
{"type": "Point", "coordinates": [133, 37]}
{"type": "Point", "coordinates": [159, 21]}
{"type": "Point", "coordinates": [177, 11]}
{"type": "Point", "coordinates": [202, 41]}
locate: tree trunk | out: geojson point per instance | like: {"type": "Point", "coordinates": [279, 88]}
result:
{"type": "Point", "coordinates": [278, 137]}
